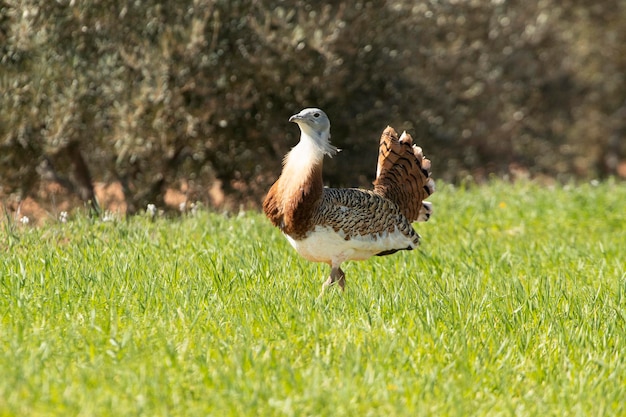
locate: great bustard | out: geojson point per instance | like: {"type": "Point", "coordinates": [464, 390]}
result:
{"type": "Point", "coordinates": [334, 225]}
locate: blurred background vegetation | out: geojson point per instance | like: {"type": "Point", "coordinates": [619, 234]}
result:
{"type": "Point", "coordinates": [194, 95]}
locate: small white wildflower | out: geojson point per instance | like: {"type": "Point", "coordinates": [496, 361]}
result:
{"type": "Point", "coordinates": [184, 206]}
{"type": "Point", "coordinates": [194, 208]}
{"type": "Point", "coordinates": [108, 216]}
{"type": "Point", "coordinates": [151, 210]}
{"type": "Point", "coordinates": [24, 220]}
{"type": "Point", "coordinates": [63, 217]}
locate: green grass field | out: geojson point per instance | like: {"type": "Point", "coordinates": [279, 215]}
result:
{"type": "Point", "coordinates": [514, 306]}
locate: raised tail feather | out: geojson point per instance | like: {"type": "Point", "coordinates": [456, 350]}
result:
{"type": "Point", "coordinates": [403, 175]}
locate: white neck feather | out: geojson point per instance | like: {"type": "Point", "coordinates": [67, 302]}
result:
{"type": "Point", "coordinates": [303, 157]}
{"type": "Point", "coordinates": [319, 140]}
{"type": "Point", "coordinates": [307, 154]}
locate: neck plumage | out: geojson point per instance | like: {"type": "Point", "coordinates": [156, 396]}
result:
{"type": "Point", "coordinates": [303, 164]}
{"type": "Point", "coordinates": [294, 197]}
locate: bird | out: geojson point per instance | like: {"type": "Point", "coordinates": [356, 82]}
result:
{"type": "Point", "coordinates": [335, 225]}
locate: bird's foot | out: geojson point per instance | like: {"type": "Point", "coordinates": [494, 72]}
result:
{"type": "Point", "coordinates": [337, 276]}
{"type": "Point", "coordinates": [342, 280]}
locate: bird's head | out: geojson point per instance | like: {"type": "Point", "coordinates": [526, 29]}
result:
{"type": "Point", "coordinates": [315, 125]}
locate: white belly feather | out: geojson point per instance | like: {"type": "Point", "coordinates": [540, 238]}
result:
{"type": "Point", "coordinates": [323, 244]}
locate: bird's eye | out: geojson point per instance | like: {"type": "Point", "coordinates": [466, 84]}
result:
{"type": "Point", "coordinates": [316, 115]}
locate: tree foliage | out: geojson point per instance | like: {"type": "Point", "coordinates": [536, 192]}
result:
{"type": "Point", "coordinates": [159, 94]}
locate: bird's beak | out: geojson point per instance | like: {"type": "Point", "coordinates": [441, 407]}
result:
{"type": "Point", "coordinates": [295, 118]}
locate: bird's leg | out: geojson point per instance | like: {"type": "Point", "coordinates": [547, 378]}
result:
{"type": "Point", "coordinates": [342, 279]}
{"type": "Point", "coordinates": [336, 276]}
